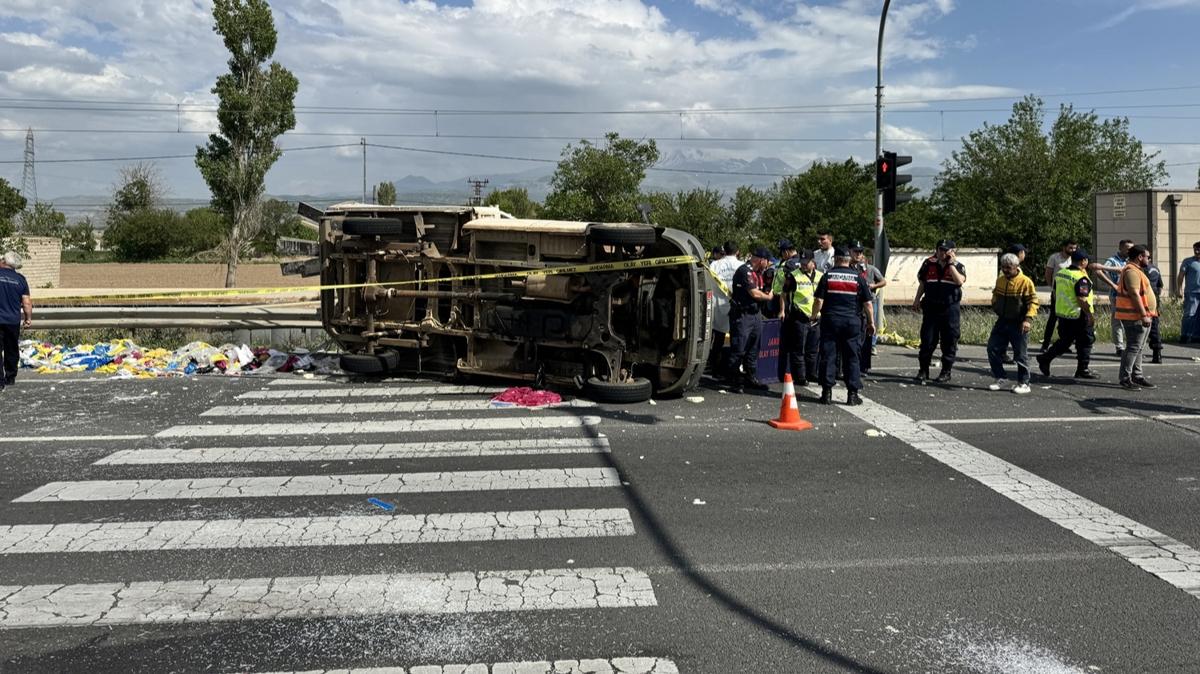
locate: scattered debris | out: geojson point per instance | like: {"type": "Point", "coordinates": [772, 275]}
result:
{"type": "Point", "coordinates": [382, 504]}
{"type": "Point", "coordinates": [652, 401]}
{"type": "Point", "coordinates": [874, 433]}
{"type": "Point", "coordinates": [523, 396]}
{"type": "Point", "coordinates": [695, 399]}
{"type": "Point", "coordinates": [699, 502]}
{"type": "Point", "coordinates": [124, 358]}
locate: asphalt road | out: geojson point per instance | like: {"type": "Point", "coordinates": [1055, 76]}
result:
{"type": "Point", "coordinates": [935, 529]}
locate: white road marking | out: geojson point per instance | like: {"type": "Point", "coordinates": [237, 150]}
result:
{"type": "Point", "coordinates": [1177, 417]}
{"type": "Point", "coordinates": [581, 666]}
{"type": "Point", "coordinates": [373, 392]}
{"type": "Point", "coordinates": [72, 438]}
{"type": "Point", "coordinates": [192, 601]}
{"type": "Point", "coordinates": [343, 409]}
{"type": "Point", "coordinates": [322, 485]}
{"type": "Point", "coordinates": [1150, 550]}
{"type": "Point", "coordinates": [383, 426]}
{"type": "Point", "coordinates": [361, 452]}
{"type": "Point", "coordinates": [1033, 420]}
{"type": "Point", "coordinates": [282, 532]}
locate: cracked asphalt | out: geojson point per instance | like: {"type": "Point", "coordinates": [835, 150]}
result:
{"type": "Point", "coordinates": [234, 534]}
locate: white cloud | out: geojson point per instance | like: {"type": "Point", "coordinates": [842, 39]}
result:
{"type": "Point", "coordinates": [605, 55]}
{"type": "Point", "coordinates": [1131, 7]}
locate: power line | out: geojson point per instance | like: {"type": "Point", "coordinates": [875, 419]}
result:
{"type": "Point", "coordinates": [156, 106]}
{"type": "Point", "coordinates": [81, 160]}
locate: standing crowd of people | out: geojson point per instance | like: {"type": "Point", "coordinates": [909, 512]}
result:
{"type": "Point", "coordinates": [826, 298]}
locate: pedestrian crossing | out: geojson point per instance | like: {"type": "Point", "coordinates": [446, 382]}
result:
{"type": "Point", "coordinates": [438, 433]}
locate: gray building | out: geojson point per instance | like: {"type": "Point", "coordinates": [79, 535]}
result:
{"type": "Point", "coordinates": [1165, 219]}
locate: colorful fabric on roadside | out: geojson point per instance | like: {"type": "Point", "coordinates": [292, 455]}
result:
{"type": "Point", "coordinates": [124, 358]}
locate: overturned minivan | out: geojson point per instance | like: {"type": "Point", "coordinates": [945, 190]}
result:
{"type": "Point", "coordinates": [622, 332]}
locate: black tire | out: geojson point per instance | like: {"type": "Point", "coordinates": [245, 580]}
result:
{"type": "Point", "coordinates": [365, 363]}
{"type": "Point", "coordinates": [376, 227]}
{"type": "Point", "coordinates": [609, 235]}
{"type": "Point", "coordinates": [637, 390]}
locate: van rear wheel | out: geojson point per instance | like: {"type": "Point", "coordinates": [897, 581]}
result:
{"type": "Point", "coordinates": [636, 390]}
{"type": "Point", "coordinates": [367, 363]}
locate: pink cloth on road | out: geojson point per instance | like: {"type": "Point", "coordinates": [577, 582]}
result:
{"type": "Point", "coordinates": [523, 396]}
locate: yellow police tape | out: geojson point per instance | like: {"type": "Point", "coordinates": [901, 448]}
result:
{"type": "Point", "coordinates": [647, 263]}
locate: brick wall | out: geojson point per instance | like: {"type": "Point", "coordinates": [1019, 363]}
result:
{"type": "Point", "coordinates": [43, 262]}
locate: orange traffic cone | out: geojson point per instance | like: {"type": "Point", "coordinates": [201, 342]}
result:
{"type": "Point", "coordinates": [789, 414]}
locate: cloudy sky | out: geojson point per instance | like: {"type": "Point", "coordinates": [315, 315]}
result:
{"type": "Point", "coordinates": [518, 78]}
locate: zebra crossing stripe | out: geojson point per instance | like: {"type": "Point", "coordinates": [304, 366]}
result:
{"type": "Point", "coordinates": [192, 601]}
{"type": "Point", "coordinates": [379, 426]}
{"type": "Point", "coordinates": [322, 485]}
{"type": "Point", "coordinates": [584, 666]}
{"type": "Point", "coordinates": [360, 452]}
{"type": "Point", "coordinates": [348, 530]}
{"type": "Point", "coordinates": [318, 409]}
{"type": "Point", "coordinates": [71, 438]}
{"type": "Point", "coordinates": [372, 392]}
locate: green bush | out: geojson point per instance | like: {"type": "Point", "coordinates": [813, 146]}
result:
{"type": "Point", "coordinates": [142, 235]}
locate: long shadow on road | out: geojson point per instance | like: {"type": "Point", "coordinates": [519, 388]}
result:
{"type": "Point", "coordinates": [679, 559]}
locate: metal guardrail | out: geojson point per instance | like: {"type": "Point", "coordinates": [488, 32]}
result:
{"type": "Point", "coordinates": [212, 317]}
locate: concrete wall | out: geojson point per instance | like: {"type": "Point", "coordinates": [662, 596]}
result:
{"type": "Point", "coordinates": [982, 265]}
{"type": "Point", "coordinates": [1145, 216]}
{"type": "Point", "coordinates": [43, 262]}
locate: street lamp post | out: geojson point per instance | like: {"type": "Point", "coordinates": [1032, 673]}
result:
{"type": "Point", "coordinates": [879, 129]}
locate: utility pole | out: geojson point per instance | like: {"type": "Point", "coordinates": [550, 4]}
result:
{"type": "Point", "coordinates": [477, 187]}
{"type": "Point", "coordinates": [29, 176]}
{"type": "Point", "coordinates": [363, 141]}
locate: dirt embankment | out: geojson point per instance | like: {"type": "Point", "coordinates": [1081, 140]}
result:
{"type": "Point", "coordinates": [130, 276]}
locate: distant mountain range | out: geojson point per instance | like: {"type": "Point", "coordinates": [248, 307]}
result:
{"type": "Point", "coordinates": [679, 170]}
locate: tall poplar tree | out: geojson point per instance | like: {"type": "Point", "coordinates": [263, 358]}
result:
{"type": "Point", "coordinates": [257, 105]}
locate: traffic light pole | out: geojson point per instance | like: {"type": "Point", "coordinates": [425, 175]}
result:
{"type": "Point", "coordinates": [878, 153]}
{"type": "Point", "coordinates": [879, 126]}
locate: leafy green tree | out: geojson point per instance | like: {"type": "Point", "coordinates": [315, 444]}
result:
{"type": "Point", "coordinates": [699, 212]}
{"type": "Point", "coordinates": [385, 193]}
{"type": "Point", "coordinates": [257, 105]}
{"type": "Point", "coordinates": [916, 224]}
{"type": "Point", "coordinates": [202, 232]}
{"type": "Point", "coordinates": [11, 203]}
{"type": "Point", "coordinates": [839, 197]}
{"type": "Point", "coordinates": [1019, 181]}
{"type": "Point", "coordinates": [515, 201]}
{"type": "Point", "coordinates": [743, 216]}
{"type": "Point", "coordinates": [143, 235]}
{"type": "Point", "coordinates": [280, 220]}
{"type": "Point", "coordinates": [600, 183]}
{"type": "Point", "coordinates": [42, 220]}
{"type": "Point", "coordinates": [81, 236]}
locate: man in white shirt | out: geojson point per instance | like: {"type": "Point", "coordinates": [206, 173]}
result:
{"type": "Point", "coordinates": [724, 269]}
{"type": "Point", "coordinates": [1059, 260]}
{"type": "Point", "coordinates": [823, 255]}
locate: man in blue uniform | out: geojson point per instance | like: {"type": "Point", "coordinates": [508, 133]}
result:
{"type": "Point", "coordinates": [745, 322]}
{"type": "Point", "coordinates": [939, 292]}
{"type": "Point", "coordinates": [844, 308]}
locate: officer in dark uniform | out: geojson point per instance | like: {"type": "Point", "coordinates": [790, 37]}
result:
{"type": "Point", "coordinates": [796, 286]}
{"type": "Point", "coordinates": [843, 301]}
{"type": "Point", "coordinates": [939, 292]}
{"type": "Point", "coordinates": [745, 322]}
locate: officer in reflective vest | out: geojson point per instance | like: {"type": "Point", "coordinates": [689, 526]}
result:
{"type": "Point", "coordinates": [799, 347]}
{"type": "Point", "coordinates": [1074, 306]}
{"type": "Point", "coordinates": [843, 299]}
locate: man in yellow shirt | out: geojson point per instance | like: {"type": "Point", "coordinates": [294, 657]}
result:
{"type": "Point", "coordinates": [1014, 299]}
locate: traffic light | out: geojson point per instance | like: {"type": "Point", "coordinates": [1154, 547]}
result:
{"type": "Point", "coordinates": [888, 179]}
